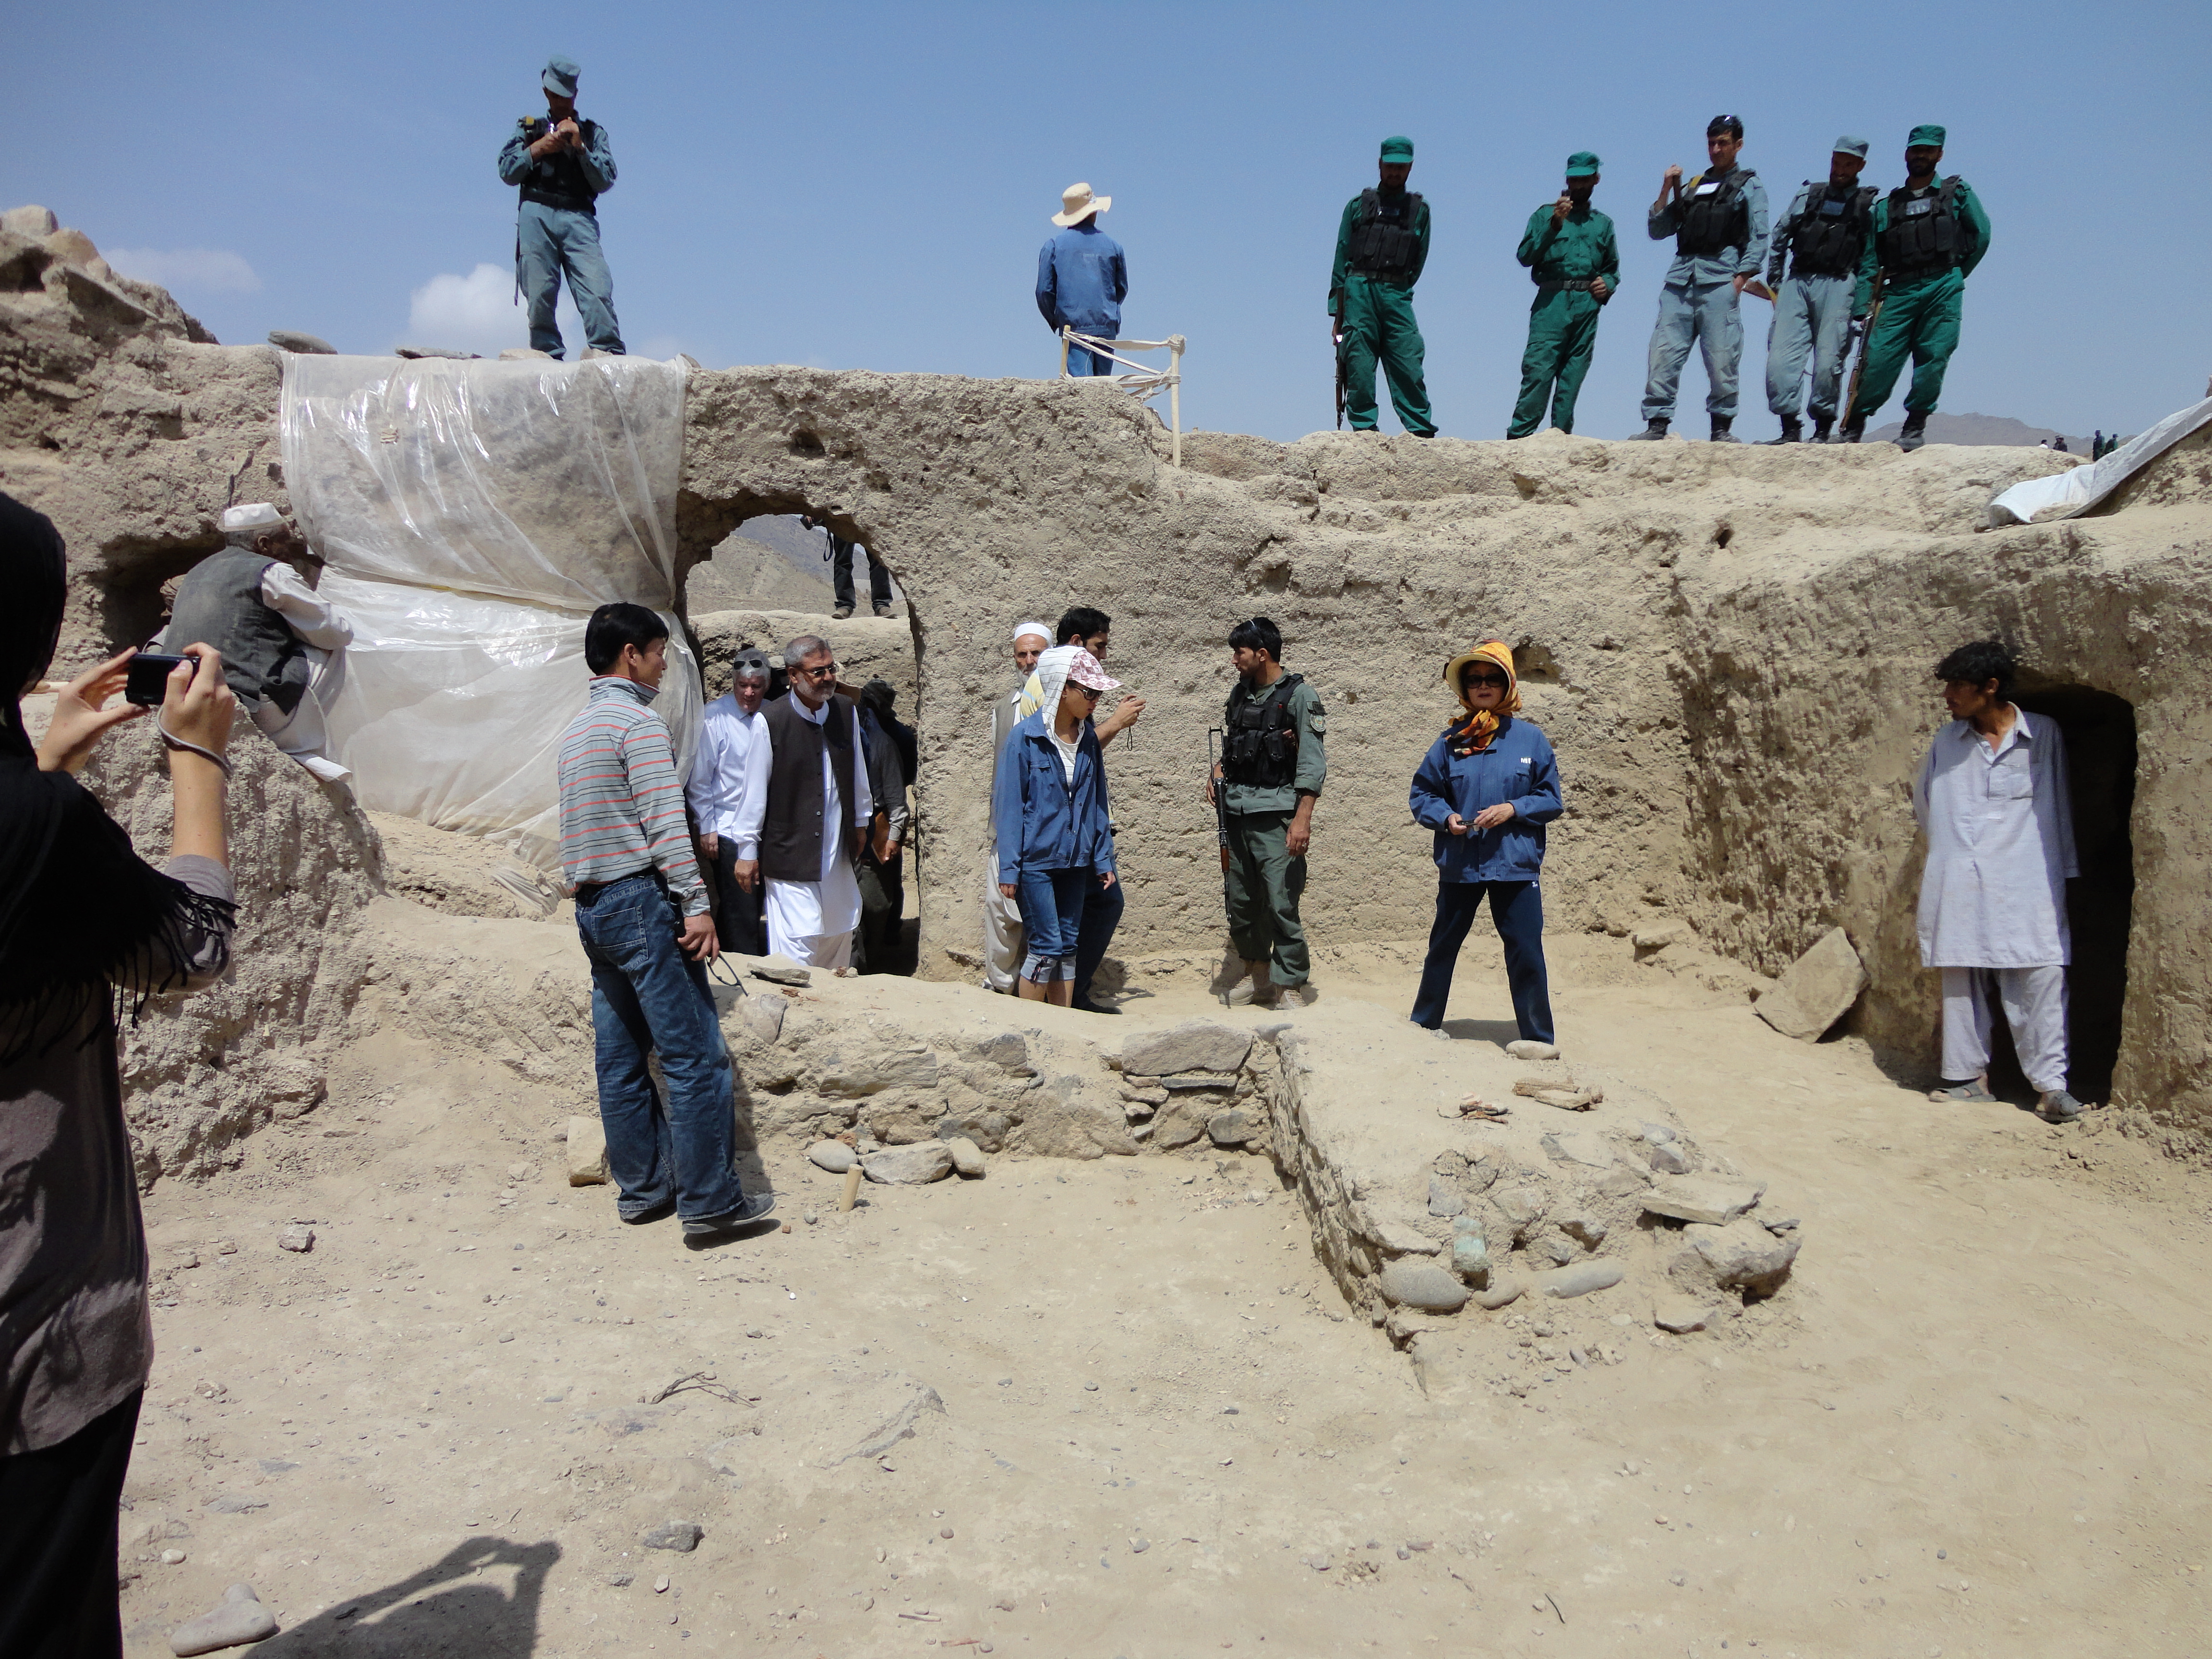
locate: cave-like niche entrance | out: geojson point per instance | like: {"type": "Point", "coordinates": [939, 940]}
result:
{"type": "Point", "coordinates": [770, 579]}
{"type": "Point", "coordinates": [2099, 730]}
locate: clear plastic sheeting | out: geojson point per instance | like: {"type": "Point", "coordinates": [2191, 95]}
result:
{"type": "Point", "coordinates": [2075, 491]}
{"type": "Point", "coordinates": [471, 515]}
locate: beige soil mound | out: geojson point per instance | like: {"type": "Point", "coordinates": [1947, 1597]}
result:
{"type": "Point", "coordinates": [999, 1410]}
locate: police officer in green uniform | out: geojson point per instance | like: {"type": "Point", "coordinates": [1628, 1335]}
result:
{"type": "Point", "coordinates": [1381, 244]}
{"type": "Point", "coordinates": [1928, 238]}
{"type": "Point", "coordinates": [1270, 774]}
{"type": "Point", "coordinates": [1816, 313]}
{"type": "Point", "coordinates": [562, 166]}
{"type": "Point", "coordinates": [1576, 264]}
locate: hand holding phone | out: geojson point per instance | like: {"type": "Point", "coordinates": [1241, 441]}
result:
{"type": "Point", "coordinates": [148, 685]}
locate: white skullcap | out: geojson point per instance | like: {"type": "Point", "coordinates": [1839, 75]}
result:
{"type": "Point", "coordinates": [1035, 627]}
{"type": "Point", "coordinates": [252, 515]}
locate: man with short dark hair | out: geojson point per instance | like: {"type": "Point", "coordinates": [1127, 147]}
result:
{"type": "Point", "coordinates": [1718, 221]}
{"type": "Point", "coordinates": [1928, 238]}
{"type": "Point", "coordinates": [1824, 302]}
{"type": "Point", "coordinates": [1991, 797]}
{"type": "Point", "coordinates": [1575, 263]}
{"type": "Point", "coordinates": [562, 166]}
{"type": "Point", "coordinates": [808, 801]}
{"type": "Point", "coordinates": [641, 912]}
{"type": "Point", "coordinates": [1270, 774]}
{"type": "Point", "coordinates": [729, 730]}
{"type": "Point", "coordinates": [1382, 247]}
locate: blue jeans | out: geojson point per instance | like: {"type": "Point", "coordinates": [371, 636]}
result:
{"type": "Point", "coordinates": [550, 242]}
{"type": "Point", "coordinates": [1052, 904]}
{"type": "Point", "coordinates": [1705, 313]}
{"type": "Point", "coordinates": [1081, 360]}
{"type": "Point", "coordinates": [1516, 910]}
{"type": "Point", "coordinates": [648, 996]}
{"type": "Point", "coordinates": [1101, 914]}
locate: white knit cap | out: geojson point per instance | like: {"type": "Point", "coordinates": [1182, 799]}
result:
{"type": "Point", "coordinates": [1035, 627]}
{"type": "Point", "coordinates": [251, 515]}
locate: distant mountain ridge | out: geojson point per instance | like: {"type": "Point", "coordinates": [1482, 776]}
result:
{"type": "Point", "coordinates": [1981, 429]}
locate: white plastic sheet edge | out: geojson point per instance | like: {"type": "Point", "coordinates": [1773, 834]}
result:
{"type": "Point", "coordinates": [2070, 494]}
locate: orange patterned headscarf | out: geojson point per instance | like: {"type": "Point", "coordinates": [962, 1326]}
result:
{"type": "Point", "coordinates": [1471, 734]}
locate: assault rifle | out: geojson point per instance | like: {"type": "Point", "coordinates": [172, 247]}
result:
{"type": "Point", "coordinates": [1342, 340]}
{"type": "Point", "coordinates": [1213, 784]}
{"type": "Point", "coordinates": [1874, 316]}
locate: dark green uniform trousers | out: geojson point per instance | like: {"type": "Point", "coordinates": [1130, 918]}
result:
{"type": "Point", "coordinates": [1920, 321]}
{"type": "Point", "coordinates": [1261, 887]}
{"type": "Point", "coordinates": [1562, 334]}
{"type": "Point", "coordinates": [1379, 327]}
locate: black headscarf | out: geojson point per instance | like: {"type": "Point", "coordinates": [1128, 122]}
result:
{"type": "Point", "coordinates": [80, 911]}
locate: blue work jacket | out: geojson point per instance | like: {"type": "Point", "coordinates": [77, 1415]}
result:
{"type": "Point", "coordinates": [1519, 767]}
{"type": "Point", "coordinates": [1082, 279]}
{"type": "Point", "coordinates": [1042, 822]}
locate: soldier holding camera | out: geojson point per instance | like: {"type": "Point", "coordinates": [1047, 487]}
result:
{"type": "Point", "coordinates": [561, 165]}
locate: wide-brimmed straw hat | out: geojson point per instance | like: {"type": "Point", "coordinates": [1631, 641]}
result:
{"type": "Point", "coordinates": [1496, 653]}
{"type": "Point", "coordinates": [1078, 203]}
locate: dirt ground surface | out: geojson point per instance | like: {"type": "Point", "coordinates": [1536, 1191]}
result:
{"type": "Point", "coordinates": [1116, 1408]}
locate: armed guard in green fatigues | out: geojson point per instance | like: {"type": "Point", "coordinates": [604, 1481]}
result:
{"type": "Point", "coordinates": [1928, 238]}
{"type": "Point", "coordinates": [1381, 244]}
{"type": "Point", "coordinates": [1270, 776]}
{"type": "Point", "coordinates": [1576, 264]}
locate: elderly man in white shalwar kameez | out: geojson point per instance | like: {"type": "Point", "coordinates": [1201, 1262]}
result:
{"type": "Point", "coordinates": [807, 803]}
{"type": "Point", "coordinates": [1992, 798]}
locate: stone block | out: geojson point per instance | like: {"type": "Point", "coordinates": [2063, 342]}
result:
{"type": "Point", "coordinates": [967, 1156]}
{"type": "Point", "coordinates": [1423, 1284]}
{"type": "Point", "coordinates": [1816, 990]}
{"type": "Point", "coordinates": [1583, 1146]}
{"type": "Point", "coordinates": [588, 1152]}
{"type": "Point", "coordinates": [1578, 1280]}
{"type": "Point", "coordinates": [763, 1017]}
{"type": "Point", "coordinates": [1229, 1128]}
{"type": "Point", "coordinates": [913, 1165]}
{"type": "Point", "coordinates": [834, 1156]}
{"type": "Point", "coordinates": [1197, 1045]}
{"type": "Point", "coordinates": [37, 223]}
{"type": "Point", "coordinates": [1700, 1199]}
{"type": "Point", "coordinates": [1739, 1256]}
{"type": "Point", "coordinates": [1445, 1199]}
{"type": "Point", "coordinates": [291, 339]}
{"type": "Point", "coordinates": [777, 969]}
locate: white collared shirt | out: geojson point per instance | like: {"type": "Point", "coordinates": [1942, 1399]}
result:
{"type": "Point", "coordinates": [2000, 828]}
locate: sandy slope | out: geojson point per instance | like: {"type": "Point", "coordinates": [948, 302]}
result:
{"type": "Point", "coordinates": [1972, 1423]}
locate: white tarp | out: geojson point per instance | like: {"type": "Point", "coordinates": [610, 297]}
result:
{"type": "Point", "coordinates": [2065, 495]}
{"type": "Point", "coordinates": [471, 515]}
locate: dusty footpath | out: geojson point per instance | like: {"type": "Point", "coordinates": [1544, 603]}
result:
{"type": "Point", "coordinates": [1116, 1407]}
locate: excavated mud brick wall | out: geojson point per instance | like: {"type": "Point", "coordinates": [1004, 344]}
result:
{"type": "Point", "coordinates": [1729, 645]}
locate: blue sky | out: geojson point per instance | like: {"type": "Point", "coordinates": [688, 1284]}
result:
{"type": "Point", "coordinates": [866, 186]}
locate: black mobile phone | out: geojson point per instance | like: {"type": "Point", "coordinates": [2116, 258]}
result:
{"type": "Point", "coordinates": [149, 681]}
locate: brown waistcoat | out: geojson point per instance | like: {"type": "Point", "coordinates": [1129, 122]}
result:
{"type": "Point", "coordinates": [791, 833]}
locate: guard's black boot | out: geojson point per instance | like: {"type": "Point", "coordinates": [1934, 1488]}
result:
{"type": "Point", "coordinates": [1915, 433]}
{"type": "Point", "coordinates": [1652, 433]}
{"type": "Point", "coordinates": [1854, 430]}
{"type": "Point", "coordinates": [1721, 432]}
{"type": "Point", "coordinates": [1793, 431]}
{"type": "Point", "coordinates": [1820, 429]}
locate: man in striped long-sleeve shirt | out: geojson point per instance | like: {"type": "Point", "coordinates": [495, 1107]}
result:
{"type": "Point", "coordinates": [642, 910]}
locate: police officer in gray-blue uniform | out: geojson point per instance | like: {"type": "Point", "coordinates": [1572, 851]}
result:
{"type": "Point", "coordinates": [1718, 221]}
{"type": "Point", "coordinates": [562, 166]}
{"type": "Point", "coordinates": [1816, 311]}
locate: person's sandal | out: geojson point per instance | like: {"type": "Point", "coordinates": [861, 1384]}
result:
{"type": "Point", "coordinates": [1972, 1092]}
{"type": "Point", "coordinates": [2056, 1106]}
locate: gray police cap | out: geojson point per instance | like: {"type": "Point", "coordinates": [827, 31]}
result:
{"type": "Point", "coordinates": [559, 76]}
{"type": "Point", "coordinates": [1849, 145]}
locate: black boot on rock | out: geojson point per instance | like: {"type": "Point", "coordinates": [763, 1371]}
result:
{"type": "Point", "coordinates": [1793, 431]}
{"type": "Point", "coordinates": [1721, 432]}
{"type": "Point", "coordinates": [1915, 433]}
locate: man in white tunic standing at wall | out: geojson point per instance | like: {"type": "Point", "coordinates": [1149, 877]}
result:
{"type": "Point", "coordinates": [1991, 797]}
{"type": "Point", "coordinates": [807, 803]}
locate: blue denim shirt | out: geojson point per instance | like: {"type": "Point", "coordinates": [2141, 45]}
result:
{"type": "Point", "coordinates": [1043, 824]}
{"type": "Point", "coordinates": [1082, 279]}
{"type": "Point", "coordinates": [1519, 767]}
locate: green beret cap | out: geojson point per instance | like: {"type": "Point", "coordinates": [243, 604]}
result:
{"type": "Point", "coordinates": [1582, 164]}
{"type": "Point", "coordinates": [1926, 133]}
{"type": "Point", "coordinates": [1397, 150]}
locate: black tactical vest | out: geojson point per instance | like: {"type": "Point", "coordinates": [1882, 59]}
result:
{"type": "Point", "coordinates": [1721, 220]}
{"type": "Point", "coordinates": [1925, 233]}
{"type": "Point", "coordinates": [1828, 238]}
{"type": "Point", "coordinates": [1260, 751]}
{"type": "Point", "coordinates": [556, 181]}
{"type": "Point", "coordinates": [1385, 239]}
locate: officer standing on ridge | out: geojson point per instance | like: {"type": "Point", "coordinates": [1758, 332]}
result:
{"type": "Point", "coordinates": [1825, 301]}
{"type": "Point", "coordinates": [1718, 221]}
{"type": "Point", "coordinates": [1927, 240]}
{"type": "Point", "coordinates": [1270, 774]}
{"type": "Point", "coordinates": [1570, 253]}
{"type": "Point", "coordinates": [563, 166]}
{"type": "Point", "coordinates": [1381, 244]}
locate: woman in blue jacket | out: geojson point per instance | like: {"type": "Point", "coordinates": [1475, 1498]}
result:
{"type": "Point", "coordinates": [1055, 843]}
{"type": "Point", "coordinates": [1488, 786]}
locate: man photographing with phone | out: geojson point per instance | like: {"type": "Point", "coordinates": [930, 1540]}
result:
{"type": "Point", "coordinates": [277, 636]}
